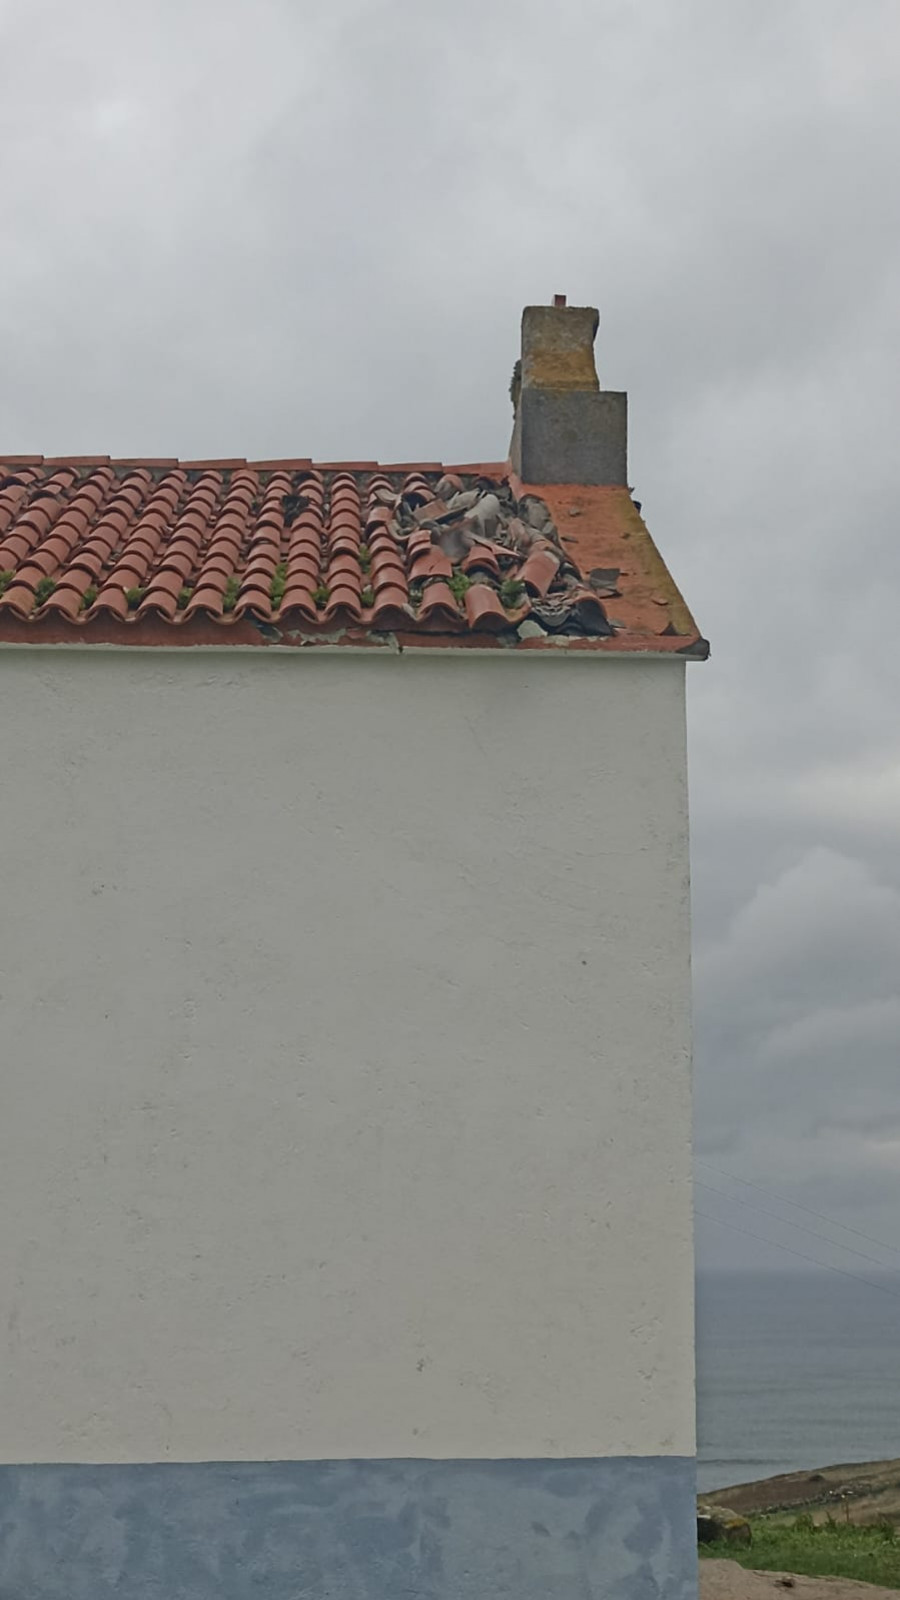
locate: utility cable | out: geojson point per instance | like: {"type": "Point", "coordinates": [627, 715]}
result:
{"type": "Point", "coordinates": [825, 1265]}
{"type": "Point", "coordinates": [786, 1222]}
{"type": "Point", "coordinates": [774, 1194]}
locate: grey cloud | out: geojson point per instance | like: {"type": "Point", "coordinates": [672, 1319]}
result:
{"type": "Point", "coordinates": [798, 1030]}
{"type": "Point", "coordinates": [269, 227]}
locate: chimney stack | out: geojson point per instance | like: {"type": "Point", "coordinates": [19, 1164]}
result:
{"type": "Point", "coordinates": [567, 429]}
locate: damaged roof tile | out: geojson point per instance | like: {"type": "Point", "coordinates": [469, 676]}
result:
{"type": "Point", "coordinates": [208, 552]}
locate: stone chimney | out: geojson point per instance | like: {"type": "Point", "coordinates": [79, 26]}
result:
{"type": "Point", "coordinates": [566, 429]}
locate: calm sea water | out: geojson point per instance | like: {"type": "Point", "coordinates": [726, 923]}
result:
{"type": "Point", "coordinates": [793, 1372]}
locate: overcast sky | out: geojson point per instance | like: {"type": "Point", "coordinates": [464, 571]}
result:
{"type": "Point", "coordinates": [279, 227]}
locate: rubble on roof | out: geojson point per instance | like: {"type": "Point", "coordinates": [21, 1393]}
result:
{"type": "Point", "coordinates": [489, 539]}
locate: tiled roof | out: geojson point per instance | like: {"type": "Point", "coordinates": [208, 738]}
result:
{"type": "Point", "coordinates": [292, 552]}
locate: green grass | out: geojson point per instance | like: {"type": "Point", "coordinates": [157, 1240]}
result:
{"type": "Point", "coordinates": [834, 1550]}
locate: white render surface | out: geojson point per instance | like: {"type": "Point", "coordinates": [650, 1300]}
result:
{"type": "Point", "coordinates": [344, 1008]}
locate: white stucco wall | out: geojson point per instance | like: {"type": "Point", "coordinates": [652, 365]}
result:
{"type": "Point", "coordinates": [345, 1040]}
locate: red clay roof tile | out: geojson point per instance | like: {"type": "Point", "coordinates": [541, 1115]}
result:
{"type": "Point", "coordinates": [481, 558]}
{"type": "Point", "coordinates": [155, 551]}
{"type": "Point", "coordinates": [430, 562]}
{"type": "Point", "coordinates": [438, 608]}
{"type": "Point", "coordinates": [484, 610]}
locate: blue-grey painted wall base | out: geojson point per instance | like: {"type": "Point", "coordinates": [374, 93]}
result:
{"type": "Point", "coordinates": [620, 1529]}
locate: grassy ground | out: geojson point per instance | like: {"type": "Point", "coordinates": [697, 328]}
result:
{"type": "Point", "coordinates": [833, 1550]}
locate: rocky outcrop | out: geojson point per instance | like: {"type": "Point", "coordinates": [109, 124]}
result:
{"type": "Point", "coordinates": [718, 1525]}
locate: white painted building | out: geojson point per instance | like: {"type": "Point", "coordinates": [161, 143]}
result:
{"type": "Point", "coordinates": [344, 971]}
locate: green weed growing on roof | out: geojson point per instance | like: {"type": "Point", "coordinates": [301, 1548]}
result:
{"type": "Point", "coordinates": [6, 578]}
{"type": "Point", "coordinates": [278, 584]}
{"type": "Point", "coordinates": [134, 596]}
{"type": "Point", "coordinates": [43, 589]}
{"type": "Point", "coordinates": [184, 596]}
{"type": "Point", "coordinates": [232, 588]}
{"type": "Point", "coordinates": [367, 598]}
{"type": "Point", "coordinates": [89, 596]}
{"type": "Point", "coordinates": [512, 592]}
{"type": "Point", "coordinates": [458, 585]}
{"type": "Point", "coordinates": [320, 596]}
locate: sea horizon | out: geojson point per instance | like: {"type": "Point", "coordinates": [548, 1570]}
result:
{"type": "Point", "coordinates": [796, 1370]}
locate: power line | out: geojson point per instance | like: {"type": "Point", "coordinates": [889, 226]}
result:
{"type": "Point", "coordinates": [832, 1221]}
{"type": "Point", "coordinates": [786, 1222]}
{"type": "Point", "coordinates": [748, 1232]}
